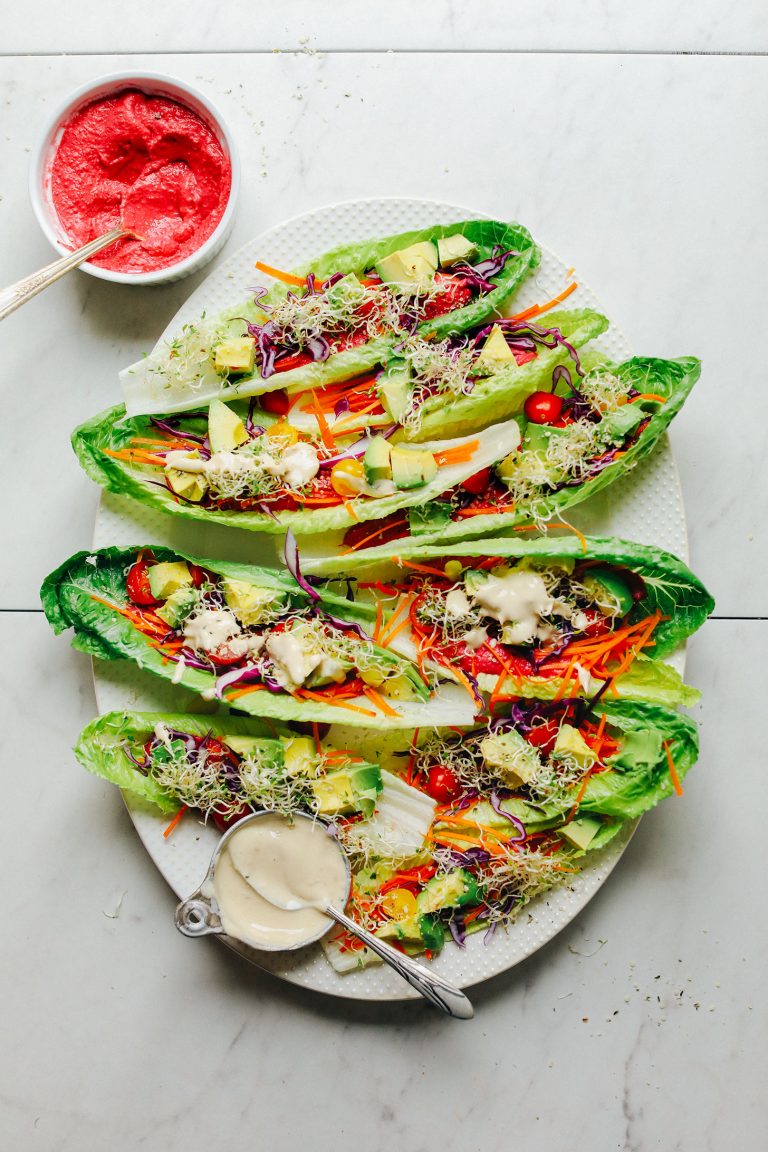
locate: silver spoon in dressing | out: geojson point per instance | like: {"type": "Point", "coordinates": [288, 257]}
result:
{"type": "Point", "coordinates": [201, 915]}
{"type": "Point", "coordinates": [437, 991]}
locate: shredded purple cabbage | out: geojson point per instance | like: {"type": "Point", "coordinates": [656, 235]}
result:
{"type": "Point", "coordinates": [291, 557]}
{"type": "Point", "coordinates": [496, 805]}
{"type": "Point", "coordinates": [457, 930]}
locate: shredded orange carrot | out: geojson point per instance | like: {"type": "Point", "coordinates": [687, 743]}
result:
{"type": "Point", "coordinates": [569, 273]}
{"type": "Point", "coordinates": [565, 682]}
{"type": "Point", "coordinates": [334, 701]}
{"type": "Point", "coordinates": [349, 504]}
{"type": "Point", "coordinates": [579, 797]}
{"type": "Point", "coordinates": [387, 640]}
{"type": "Point", "coordinates": [579, 535]}
{"type": "Point", "coordinates": [134, 456]}
{"type": "Point", "coordinates": [418, 567]}
{"type": "Point", "coordinates": [461, 454]}
{"type": "Point", "coordinates": [404, 603]}
{"type": "Point", "coordinates": [167, 831]}
{"type": "Point", "coordinates": [276, 274]}
{"type": "Point", "coordinates": [537, 309]}
{"type": "Point", "coordinates": [462, 679]}
{"type": "Point", "coordinates": [672, 770]}
{"type": "Point", "coordinates": [373, 535]}
{"type": "Point", "coordinates": [325, 433]}
{"type": "Point", "coordinates": [354, 416]}
{"type": "Point", "coordinates": [649, 396]}
{"type": "Point", "coordinates": [238, 692]}
{"type": "Point", "coordinates": [377, 699]}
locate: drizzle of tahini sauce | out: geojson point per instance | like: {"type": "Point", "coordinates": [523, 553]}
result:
{"type": "Point", "coordinates": [518, 598]}
{"type": "Point", "coordinates": [293, 864]}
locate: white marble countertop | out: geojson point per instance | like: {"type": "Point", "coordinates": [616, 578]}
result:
{"type": "Point", "coordinates": [642, 1025]}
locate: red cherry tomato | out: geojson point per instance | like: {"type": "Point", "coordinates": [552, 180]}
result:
{"type": "Point", "coordinates": [598, 624]}
{"type": "Point", "coordinates": [543, 407]}
{"type": "Point", "coordinates": [276, 402]}
{"type": "Point", "coordinates": [224, 658]}
{"type": "Point", "coordinates": [137, 582]}
{"type": "Point", "coordinates": [442, 784]}
{"type": "Point", "coordinates": [478, 483]}
{"type": "Point", "coordinates": [543, 735]}
{"type": "Point", "coordinates": [199, 575]}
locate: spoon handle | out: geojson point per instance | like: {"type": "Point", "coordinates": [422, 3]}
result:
{"type": "Point", "coordinates": [439, 992]}
{"type": "Point", "coordinates": [17, 294]}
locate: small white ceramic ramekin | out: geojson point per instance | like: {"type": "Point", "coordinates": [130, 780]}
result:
{"type": "Point", "coordinates": [153, 84]}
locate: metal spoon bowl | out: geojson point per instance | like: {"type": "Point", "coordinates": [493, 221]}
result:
{"type": "Point", "coordinates": [199, 916]}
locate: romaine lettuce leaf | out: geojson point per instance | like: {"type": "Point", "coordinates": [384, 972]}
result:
{"type": "Point", "coordinates": [81, 592]}
{"type": "Point", "coordinates": [147, 387]}
{"type": "Point", "coordinates": [671, 587]}
{"type": "Point", "coordinates": [108, 432]}
{"type": "Point", "coordinates": [503, 393]}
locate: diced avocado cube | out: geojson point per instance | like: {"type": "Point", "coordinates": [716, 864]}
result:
{"type": "Point", "coordinates": [495, 352]}
{"type": "Point", "coordinates": [189, 485]}
{"type": "Point", "coordinates": [618, 424]}
{"type": "Point", "coordinates": [451, 890]}
{"type": "Point", "coordinates": [429, 518]}
{"type": "Point", "coordinates": [414, 265]}
{"type": "Point", "coordinates": [225, 428]}
{"type": "Point", "coordinates": [511, 756]}
{"type": "Point", "coordinates": [399, 687]}
{"type": "Point", "coordinates": [167, 577]}
{"type": "Point", "coordinates": [178, 606]}
{"type": "Point", "coordinates": [376, 460]}
{"type": "Point", "coordinates": [394, 389]}
{"type": "Point", "coordinates": [570, 742]}
{"type": "Point", "coordinates": [235, 357]}
{"type": "Point", "coordinates": [640, 748]}
{"type": "Point", "coordinates": [330, 670]}
{"type": "Point", "coordinates": [349, 285]}
{"type": "Point", "coordinates": [243, 745]}
{"type": "Point", "coordinates": [538, 437]}
{"type": "Point", "coordinates": [415, 933]}
{"type": "Point", "coordinates": [412, 467]}
{"type": "Point", "coordinates": [606, 580]}
{"type": "Point", "coordinates": [452, 249]}
{"type": "Point", "coordinates": [581, 832]}
{"type": "Point", "coordinates": [301, 758]}
{"type": "Point", "coordinates": [351, 789]}
{"type": "Point", "coordinates": [249, 603]}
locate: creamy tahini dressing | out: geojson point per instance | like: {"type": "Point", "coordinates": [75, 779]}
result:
{"type": "Point", "coordinates": [296, 466]}
{"type": "Point", "coordinates": [210, 629]}
{"type": "Point", "coordinates": [519, 600]}
{"type": "Point", "coordinates": [293, 864]}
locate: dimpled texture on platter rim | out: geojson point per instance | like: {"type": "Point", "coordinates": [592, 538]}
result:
{"type": "Point", "coordinates": [646, 506]}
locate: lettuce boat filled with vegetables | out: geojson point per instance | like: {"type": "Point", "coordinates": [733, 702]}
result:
{"type": "Point", "coordinates": [243, 635]}
{"type": "Point", "coordinates": [552, 617]}
{"type": "Point", "coordinates": [446, 832]}
{"type": "Point", "coordinates": [429, 387]}
{"type": "Point", "coordinates": [576, 440]}
{"type": "Point", "coordinates": [338, 316]}
{"type": "Point", "coordinates": [231, 465]}
{"type": "Point", "coordinates": [518, 807]}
